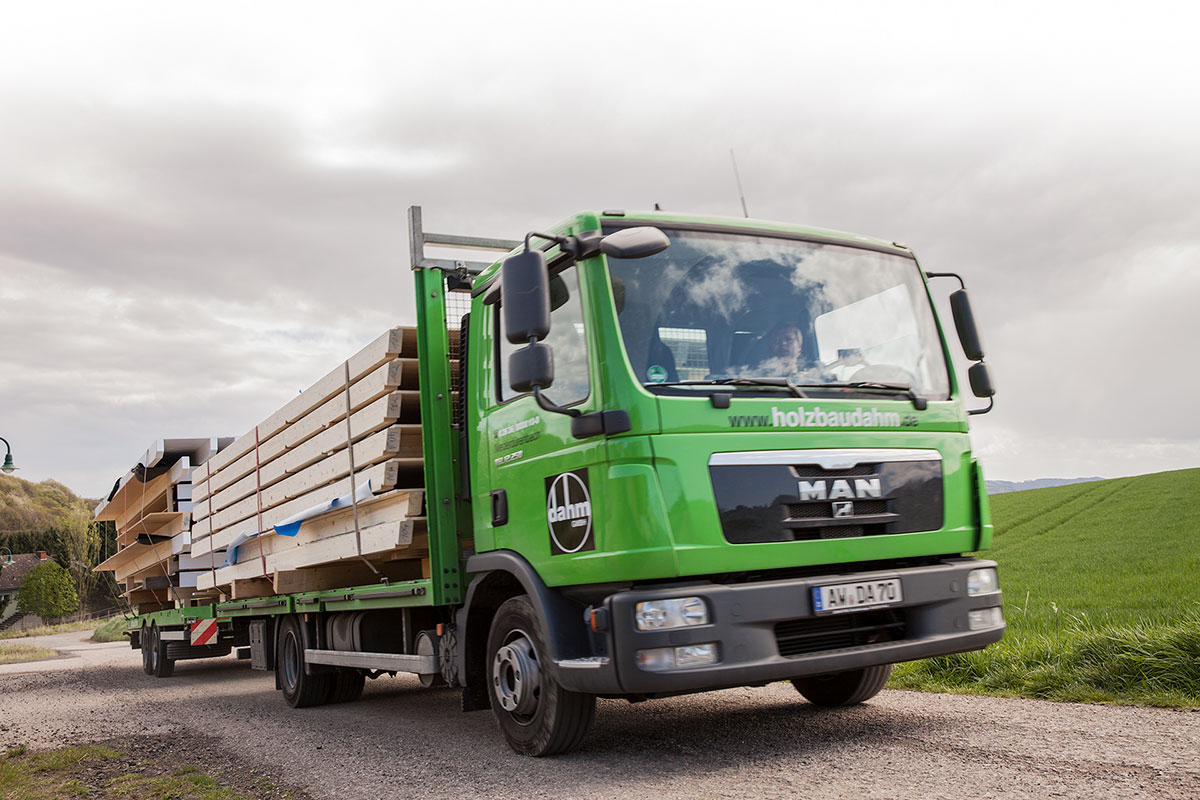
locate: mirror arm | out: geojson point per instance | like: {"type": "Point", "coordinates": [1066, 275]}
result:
{"type": "Point", "coordinates": [961, 283]}
{"type": "Point", "coordinates": [991, 403]}
{"type": "Point", "coordinates": [549, 406]}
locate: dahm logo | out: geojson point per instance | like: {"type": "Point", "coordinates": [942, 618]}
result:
{"type": "Point", "coordinates": [569, 513]}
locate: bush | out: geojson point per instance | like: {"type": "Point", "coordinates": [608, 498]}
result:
{"type": "Point", "coordinates": [47, 591]}
{"type": "Point", "coordinates": [111, 630]}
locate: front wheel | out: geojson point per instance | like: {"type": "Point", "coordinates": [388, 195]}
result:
{"type": "Point", "coordinates": [844, 688]}
{"type": "Point", "coordinates": [537, 716]}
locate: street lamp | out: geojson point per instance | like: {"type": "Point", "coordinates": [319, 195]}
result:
{"type": "Point", "coordinates": [8, 467]}
{"type": "Point", "coordinates": [8, 560]}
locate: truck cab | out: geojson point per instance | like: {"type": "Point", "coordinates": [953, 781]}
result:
{"type": "Point", "coordinates": [713, 452]}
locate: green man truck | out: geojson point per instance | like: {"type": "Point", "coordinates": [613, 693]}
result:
{"type": "Point", "coordinates": [662, 454]}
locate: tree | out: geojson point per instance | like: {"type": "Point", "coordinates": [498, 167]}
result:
{"type": "Point", "coordinates": [47, 591]}
{"type": "Point", "coordinates": [79, 543]}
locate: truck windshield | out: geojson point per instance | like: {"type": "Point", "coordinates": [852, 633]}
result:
{"type": "Point", "coordinates": [741, 308]}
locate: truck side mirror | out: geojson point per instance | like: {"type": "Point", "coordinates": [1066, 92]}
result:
{"type": "Point", "coordinates": [525, 289]}
{"type": "Point", "coordinates": [981, 380]}
{"type": "Point", "coordinates": [634, 242]}
{"type": "Point", "coordinates": [531, 367]}
{"type": "Point", "coordinates": [964, 322]}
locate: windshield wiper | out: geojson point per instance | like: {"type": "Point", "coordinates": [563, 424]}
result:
{"type": "Point", "coordinates": [783, 383]}
{"type": "Point", "coordinates": [919, 403]}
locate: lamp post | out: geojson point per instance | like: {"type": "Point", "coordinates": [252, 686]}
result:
{"type": "Point", "coordinates": [8, 560]}
{"type": "Point", "coordinates": [8, 467]}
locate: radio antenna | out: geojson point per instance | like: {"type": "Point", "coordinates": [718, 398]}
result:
{"type": "Point", "coordinates": [737, 177]}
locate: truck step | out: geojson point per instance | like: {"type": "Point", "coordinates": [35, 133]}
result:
{"type": "Point", "coordinates": [388, 662]}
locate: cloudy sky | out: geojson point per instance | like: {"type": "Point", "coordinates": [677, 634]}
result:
{"type": "Point", "coordinates": [202, 205]}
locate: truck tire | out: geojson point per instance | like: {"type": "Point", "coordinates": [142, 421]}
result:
{"type": "Point", "coordinates": [347, 686]}
{"type": "Point", "coordinates": [299, 690]}
{"type": "Point", "coordinates": [147, 657]}
{"type": "Point", "coordinates": [537, 716]}
{"type": "Point", "coordinates": [161, 666]}
{"type": "Point", "coordinates": [844, 688]}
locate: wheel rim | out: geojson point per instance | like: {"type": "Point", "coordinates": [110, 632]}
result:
{"type": "Point", "coordinates": [290, 666]}
{"type": "Point", "coordinates": [517, 677]}
{"type": "Point", "coordinates": [153, 647]}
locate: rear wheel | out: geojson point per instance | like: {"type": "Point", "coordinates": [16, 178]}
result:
{"type": "Point", "coordinates": [299, 690]}
{"type": "Point", "coordinates": [147, 650]}
{"type": "Point", "coordinates": [844, 688]}
{"type": "Point", "coordinates": [347, 686]}
{"type": "Point", "coordinates": [537, 716]}
{"type": "Point", "coordinates": [160, 665]}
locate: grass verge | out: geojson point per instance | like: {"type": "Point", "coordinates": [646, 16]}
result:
{"type": "Point", "coordinates": [110, 630]}
{"type": "Point", "coordinates": [100, 771]}
{"type": "Point", "coordinates": [1100, 596]}
{"type": "Point", "coordinates": [11, 653]}
{"type": "Point", "coordinates": [48, 630]}
{"type": "Point", "coordinates": [1154, 665]}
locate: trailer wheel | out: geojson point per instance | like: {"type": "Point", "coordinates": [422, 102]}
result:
{"type": "Point", "coordinates": [537, 716]}
{"type": "Point", "coordinates": [147, 650]}
{"type": "Point", "coordinates": [160, 665]}
{"type": "Point", "coordinates": [299, 690]}
{"type": "Point", "coordinates": [844, 688]}
{"type": "Point", "coordinates": [347, 686]}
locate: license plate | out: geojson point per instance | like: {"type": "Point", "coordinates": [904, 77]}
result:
{"type": "Point", "coordinates": [852, 596]}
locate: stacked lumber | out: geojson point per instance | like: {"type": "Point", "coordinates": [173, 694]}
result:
{"type": "Point", "coordinates": [357, 430]}
{"type": "Point", "coordinates": [151, 508]}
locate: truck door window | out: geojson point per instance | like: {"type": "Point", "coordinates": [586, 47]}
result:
{"type": "Point", "coordinates": [567, 339]}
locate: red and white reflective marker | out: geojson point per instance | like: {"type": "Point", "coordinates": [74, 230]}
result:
{"type": "Point", "coordinates": [204, 631]}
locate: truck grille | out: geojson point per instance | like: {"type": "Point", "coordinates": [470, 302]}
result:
{"type": "Point", "coordinates": [802, 502]}
{"type": "Point", "coordinates": [798, 637]}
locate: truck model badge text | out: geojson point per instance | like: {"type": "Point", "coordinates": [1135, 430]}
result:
{"type": "Point", "coordinates": [821, 490]}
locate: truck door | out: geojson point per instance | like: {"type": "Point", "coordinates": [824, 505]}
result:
{"type": "Point", "coordinates": [544, 482]}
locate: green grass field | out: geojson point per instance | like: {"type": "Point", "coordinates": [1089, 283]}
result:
{"type": "Point", "coordinates": [1101, 593]}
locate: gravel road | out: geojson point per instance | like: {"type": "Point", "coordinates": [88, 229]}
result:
{"type": "Point", "coordinates": [402, 741]}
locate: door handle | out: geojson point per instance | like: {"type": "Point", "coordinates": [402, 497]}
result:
{"type": "Point", "coordinates": [499, 508]}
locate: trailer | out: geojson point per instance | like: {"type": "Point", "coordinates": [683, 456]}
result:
{"type": "Point", "coordinates": [638, 455]}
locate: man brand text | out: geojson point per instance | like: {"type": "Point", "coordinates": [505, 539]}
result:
{"type": "Point", "coordinates": [821, 490]}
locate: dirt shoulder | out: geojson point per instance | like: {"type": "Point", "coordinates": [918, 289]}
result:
{"type": "Point", "coordinates": [402, 740]}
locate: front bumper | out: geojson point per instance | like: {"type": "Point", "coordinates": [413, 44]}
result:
{"type": "Point", "coordinates": [754, 624]}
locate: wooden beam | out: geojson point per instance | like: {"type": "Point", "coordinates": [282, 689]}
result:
{"type": "Point", "coordinates": [309, 452]}
{"type": "Point", "coordinates": [381, 477]}
{"type": "Point", "coordinates": [255, 587]}
{"type": "Point", "coordinates": [324, 472]}
{"type": "Point", "coordinates": [139, 498]}
{"type": "Point", "coordinates": [397, 342]}
{"type": "Point", "coordinates": [368, 414]}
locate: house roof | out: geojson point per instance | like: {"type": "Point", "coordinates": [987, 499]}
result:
{"type": "Point", "coordinates": [12, 574]}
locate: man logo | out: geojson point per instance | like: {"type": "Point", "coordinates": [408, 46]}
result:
{"type": "Point", "coordinates": [843, 509]}
{"type": "Point", "coordinates": [840, 490]}
{"type": "Point", "coordinates": [569, 513]}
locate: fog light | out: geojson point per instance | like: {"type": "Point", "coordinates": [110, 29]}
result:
{"type": "Point", "coordinates": [696, 655]}
{"type": "Point", "coordinates": [984, 618]}
{"type": "Point", "coordinates": [982, 581]}
{"type": "Point", "coordinates": [676, 612]}
{"type": "Point", "coordinates": [659, 659]}
{"type": "Point", "coordinates": [656, 659]}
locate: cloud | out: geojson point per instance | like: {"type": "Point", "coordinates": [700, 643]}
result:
{"type": "Point", "coordinates": [203, 209]}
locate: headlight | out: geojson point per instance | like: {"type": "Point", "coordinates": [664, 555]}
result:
{"type": "Point", "coordinates": [982, 581]}
{"type": "Point", "coordinates": [659, 659]}
{"type": "Point", "coordinates": [677, 612]}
